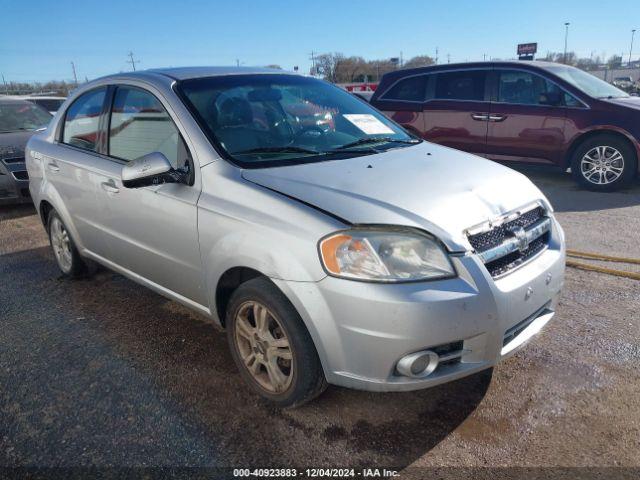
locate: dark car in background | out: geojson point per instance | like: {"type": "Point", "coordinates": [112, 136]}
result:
{"type": "Point", "coordinates": [19, 120]}
{"type": "Point", "coordinates": [529, 112]}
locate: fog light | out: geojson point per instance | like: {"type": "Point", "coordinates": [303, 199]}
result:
{"type": "Point", "coordinates": [419, 364]}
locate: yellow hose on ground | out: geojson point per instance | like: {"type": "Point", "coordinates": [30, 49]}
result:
{"type": "Point", "coordinates": [597, 256]}
{"type": "Point", "coordinates": [606, 258]}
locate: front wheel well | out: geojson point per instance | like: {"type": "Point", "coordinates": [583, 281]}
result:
{"type": "Point", "coordinates": [228, 283]}
{"type": "Point", "coordinates": [595, 133]}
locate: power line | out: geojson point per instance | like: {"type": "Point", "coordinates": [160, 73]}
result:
{"type": "Point", "coordinates": [132, 61]}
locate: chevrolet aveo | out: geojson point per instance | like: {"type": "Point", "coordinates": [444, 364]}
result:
{"type": "Point", "coordinates": [333, 246]}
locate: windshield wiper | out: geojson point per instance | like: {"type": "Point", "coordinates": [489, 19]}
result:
{"type": "Point", "coordinates": [288, 149]}
{"type": "Point", "coordinates": [370, 140]}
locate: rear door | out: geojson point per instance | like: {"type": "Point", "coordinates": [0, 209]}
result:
{"type": "Point", "coordinates": [72, 167]}
{"type": "Point", "coordinates": [457, 109]}
{"type": "Point", "coordinates": [527, 118]}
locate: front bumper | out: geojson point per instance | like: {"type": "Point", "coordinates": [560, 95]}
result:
{"type": "Point", "coordinates": [362, 330]}
{"type": "Point", "coordinates": [14, 183]}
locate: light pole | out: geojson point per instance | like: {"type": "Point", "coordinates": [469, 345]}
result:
{"type": "Point", "coordinates": [633, 32]}
{"type": "Point", "coordinates": [566, 35]}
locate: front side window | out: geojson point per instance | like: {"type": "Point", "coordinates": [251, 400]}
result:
{"type": "Point", "coordinates": [140, 125]}
{"type": "Point", "coordinates": [524, 88]}
{"type": "Point", "coordinates": [463, 85]}
{"type": "Point", "coordinates": [270, 120]}
{"type": "Point", "coordinates": [412, 89]}
{"type": "Point", "coordinates": [22, 116]}
{"type": "Point", "coordinates": [81, 123]}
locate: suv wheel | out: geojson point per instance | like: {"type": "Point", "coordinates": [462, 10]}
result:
{"type": "Point", "coordinates": [604, 163]}
{"type": "Point", "coordinates": [271, 346]}
{"type": "Point", "coordinates": [64, 250]}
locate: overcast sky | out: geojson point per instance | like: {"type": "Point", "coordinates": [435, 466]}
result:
{"type": "Point", "coordinates": [39, 39]}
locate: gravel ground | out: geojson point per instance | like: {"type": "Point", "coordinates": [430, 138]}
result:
{"type": "Point", "coordinates": [102, 372]}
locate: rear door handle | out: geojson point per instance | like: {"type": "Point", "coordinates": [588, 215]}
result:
{"type": "Point", "coordinates": [481, 117]}
{"type": "Point", "coordinates": [497, 118]}
{"type": "Point", "coordinates": [110, 186]}
{"type": "Point", "coordinates": [53, 167]}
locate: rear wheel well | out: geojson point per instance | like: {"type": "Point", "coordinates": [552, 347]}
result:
{"type": "Point", "coordinates": [228, 283]}
{"type": "Point", "coordinates": [595, 133]}
{"type": "Point", "coordinates": [45, 209]}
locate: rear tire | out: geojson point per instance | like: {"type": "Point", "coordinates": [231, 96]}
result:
{"type": "Point", "coordinates": [271, 345]}
{"type": "Point", "coordinates": [604, 163]}
{"type": "Point", "coordinates": [64, 249]}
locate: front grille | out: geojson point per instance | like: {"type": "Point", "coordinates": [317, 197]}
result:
{"type": "Point", "coordinates": [12, 160]}
{"type": "Point", "coordinates": [449, 349]}
{"type": "Point", "coordinates": [498, 248]}
{"type": "Point", "coordinates": [517, 329]}
{"type": "Point", "coordinates": [494, 237]}
{"type": "Point", "coordinates": [21, 175]}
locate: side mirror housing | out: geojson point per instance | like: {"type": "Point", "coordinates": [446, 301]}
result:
{"type": "Point", "coordinates": [153, 168]}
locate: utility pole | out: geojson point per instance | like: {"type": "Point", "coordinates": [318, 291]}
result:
{"type": "Point", "coordinates": [484, 57]}
{"type": "Point", "coordinates": [400, 58]}
{"type": "Point", "coordinates": [75, 77]}
{"type": "Point", "coordinates": [6, 88]}
{"type": "Point", "coordinates": [132, 61]}
{"type": "Point", "coordinates": [566, 35]}
{"type": "Point", "coordinates": [448, 58]}
{"type": "Point", "coordinates": [313, 62]}
{"type": "Point", "coordinates": [633, 32]}
{"type": "Point", "coordinates": [436, 55]}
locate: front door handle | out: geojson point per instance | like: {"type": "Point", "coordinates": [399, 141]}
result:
{"type": "Point", "coordinates": [110, 186]}
{"type": "Point", "coordinates": [496, 118]}
{"type": "Point", "coordinates": [480, 117]}
{"type": "Point", "coordinates": [53, 167]}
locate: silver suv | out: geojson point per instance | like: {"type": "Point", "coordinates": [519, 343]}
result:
{"type": "Point", "coordinates": [333, 246]}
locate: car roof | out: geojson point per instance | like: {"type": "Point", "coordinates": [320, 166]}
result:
{"type": "Point", "coordinates": [184, 73]}
{"type": "Point", "coordinates": [7, 100]}
{"type": "Point", "coordinates": [454, 66]}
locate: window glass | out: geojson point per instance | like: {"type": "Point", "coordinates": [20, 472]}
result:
{"type": "Point", "coordinates": [267, 120]}
{"type": "Point", "coordinates": [586, 82]}
{"type": "Point", "coordinates": [526, 88]}
{"type": "Point", "coordinates": [571, 101]}
{"type": "Point", "coordinates": [410, 89]}
{"type": "Point", "coordinates": [22, 116]}
{"type": "Point", "coordinates": [82, 118]}
{"type": "Point", "coordinates": [461, 85]}
{"type": "Point", "coordinates": [140, 125]}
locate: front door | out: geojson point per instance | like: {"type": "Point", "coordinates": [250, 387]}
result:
{"type": "Point", "coordinates": [527, 119]}
{"type": "Point", "coordinates": [152, 231]}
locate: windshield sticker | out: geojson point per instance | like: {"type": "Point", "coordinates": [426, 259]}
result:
{"type": "Point", "coordinates": [368, 123]}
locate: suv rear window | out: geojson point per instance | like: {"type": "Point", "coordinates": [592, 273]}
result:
{"type": "Point", "coordinates": [461, 85]}
{"type": "Point", "coordinates": [411, 89]}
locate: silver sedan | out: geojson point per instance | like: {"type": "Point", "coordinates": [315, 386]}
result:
{"type": "Point", "coordinates": [333, 246]}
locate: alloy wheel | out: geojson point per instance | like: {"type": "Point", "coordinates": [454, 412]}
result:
{"type": "Point", "coordinates": [264, 347]}
{"type": "Point", "coordinates": [61, 244]}
{"type": "Point", "coordinates": [602, 165]}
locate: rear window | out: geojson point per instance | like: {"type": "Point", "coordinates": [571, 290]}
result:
{"type": "Point", "coordinates": [411, 89]}
{"type": "Point", "coordinates": [461, 85]}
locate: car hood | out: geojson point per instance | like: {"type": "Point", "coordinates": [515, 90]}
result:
{"type": "Point", "coordinates": [434, 188]}
{"type": "Point", "coordinates": [630, 102]}
{"type": "Point", "coordinates": [13, 143]}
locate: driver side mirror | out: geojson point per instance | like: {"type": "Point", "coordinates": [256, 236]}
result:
{"type": "Point", "coordinates": [151, 169]}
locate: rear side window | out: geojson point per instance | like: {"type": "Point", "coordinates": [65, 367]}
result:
{"type": "Point", "coordinates": [81, 123]}
{"type": "Point", "coordinates": [410, 89]}
{"type": "Point", "coordinates": [461, 85]}
{"type": "Point", "coordinates": [140, 125]}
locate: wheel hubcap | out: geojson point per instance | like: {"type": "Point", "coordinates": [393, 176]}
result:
{"type": "Point", "coordinates": [263, 347]}
{"type": "Point", "coordinates": [61, 245]}
{"type": "Point", "coordinates": [602, 165]}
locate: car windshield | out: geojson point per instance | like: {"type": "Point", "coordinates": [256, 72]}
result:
{"type": "Point", "coordinates": [586, 82]}
{"type": "Point", "coordinates": [265, 120]}
{"type": "Point", "coordinates": [22, 116]}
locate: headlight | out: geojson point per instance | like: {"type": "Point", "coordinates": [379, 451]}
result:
{"type": "Point", "coordinates": [381, 255]}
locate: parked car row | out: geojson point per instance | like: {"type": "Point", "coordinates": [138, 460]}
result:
{"type": "Point", "coordinates": [533, 112]}
{"type": "Point", "coordinates": [627, 84]}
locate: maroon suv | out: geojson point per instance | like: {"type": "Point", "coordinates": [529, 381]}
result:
{"type": "Point", "coordinates": [533, 112]}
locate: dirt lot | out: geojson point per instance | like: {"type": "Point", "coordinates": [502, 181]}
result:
{"type": "Point", "coordinates": [103, 372]}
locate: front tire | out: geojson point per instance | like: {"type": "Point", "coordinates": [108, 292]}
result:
{"type": "Point", "coordinates": [604, 163]}
{"type": "Point", "coordinates": [65, 252]}
{"type": "Point", "coordinates": [271, 345]}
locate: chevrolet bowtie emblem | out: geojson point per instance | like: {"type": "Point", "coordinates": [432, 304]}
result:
{"type": "Point", "coordinates": [521, 238]}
